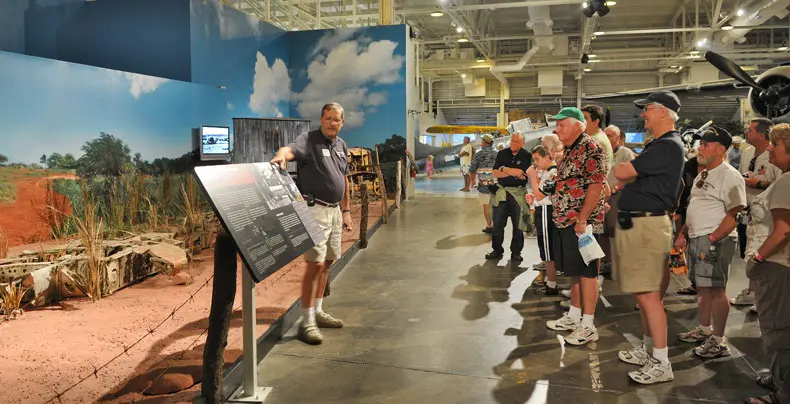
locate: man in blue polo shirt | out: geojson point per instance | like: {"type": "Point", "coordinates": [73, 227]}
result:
{"type": "Point", "coordinates": [643, 237]}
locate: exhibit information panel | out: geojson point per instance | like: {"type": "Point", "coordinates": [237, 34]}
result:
{"type": "Point", "coordinates": [261, 208]}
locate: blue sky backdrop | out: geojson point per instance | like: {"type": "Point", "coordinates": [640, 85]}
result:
{"type": "Point", "coordinates": [52, 106]}
{"type": "Point", "coordinates": [364, 69]}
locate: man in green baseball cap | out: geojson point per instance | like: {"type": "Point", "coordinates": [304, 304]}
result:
{"type": "Point", "coordinates": [580, 178]}
{"type": "Point", "coordinates": [569, 112]}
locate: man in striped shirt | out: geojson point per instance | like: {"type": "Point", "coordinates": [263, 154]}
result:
{"type": "Point", "coordinates": [480, 170]}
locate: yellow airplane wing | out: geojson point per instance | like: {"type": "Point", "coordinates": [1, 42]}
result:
{"type": "Point", "coordinates": [464, 129]}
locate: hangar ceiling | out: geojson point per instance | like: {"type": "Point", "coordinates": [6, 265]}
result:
{"type": "Point", "coordinates": [469, 50]}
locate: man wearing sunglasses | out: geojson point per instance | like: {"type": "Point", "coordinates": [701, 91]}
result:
{"type": "Point", "coordinates": [717, 197]}
{"type": "Point", "coordinates": [643, 237]}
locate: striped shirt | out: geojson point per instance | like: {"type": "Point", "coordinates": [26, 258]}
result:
{"type": "Point", "coordinates": [483, 160]}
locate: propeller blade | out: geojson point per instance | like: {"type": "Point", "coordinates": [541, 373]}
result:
{"type": "Point", "coordinates": [731, 69]}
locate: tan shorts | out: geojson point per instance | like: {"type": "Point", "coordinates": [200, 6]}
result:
{"type": "Point", "coordinates": [484, 199]}
{"type": "Point", "coordinates": [331, 222]}
{"type": "Point", "coordinates": [640, 254]}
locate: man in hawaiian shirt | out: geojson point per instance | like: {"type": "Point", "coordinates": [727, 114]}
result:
{"type": "Point", "coordinates": [578, 201]}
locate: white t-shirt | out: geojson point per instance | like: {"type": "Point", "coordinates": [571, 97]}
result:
{"type": "Point", "coordinates": [763, 171]}
{"type": "Point", "coordinates": [622, 155]}
{"type": "Point", "coordinates": [723, 189]}
{"type": "Point", "coordinates": [466, 160]}
{"type": "Point", "coordinates": [543, 177]}
{"type": "Point", "coordinates": [777, 196]}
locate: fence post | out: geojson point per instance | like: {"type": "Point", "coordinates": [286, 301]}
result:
{"type": "Point", "coordinates": [398, 184]}
{"type": "Point", "coordinates": [363, 220]}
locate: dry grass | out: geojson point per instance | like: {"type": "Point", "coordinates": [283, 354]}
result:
{"type": "Point", "coordinates": [193, 215]}
{"type": "Point", "coordinates": [3, 244]}
{"type": "Point", "coordinates": [11, 300]}
{"type": "Point", "coordinates": [92, 276]}
{"type": "Point", "coordinates": [166, 186]}
{"type": "Point", "coordinates": [115, 209]}
{"type": "Point", "coordinates": [134, 195]}
{"type": "Point", "coordinates": [153, 216]}
{"type": "Point", "coordinates": [54, 211]}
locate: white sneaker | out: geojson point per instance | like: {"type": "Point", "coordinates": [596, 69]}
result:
{"type": "Point", "coordinates": [635, 356]}
{"type": "Point", "coordinates": [745, 298]}
{"type": "Point", "coordinates": [582, 335]}
{"type": "Point", "coordinates": [566, 323]}
{"type": "Point", "coordinates": [696, 335]}
{"type": "Point", "coordinates": [566, 293]}
{"type": "Point", "coordinates": [653, 372]}
{"type": "Point", "coordinates": [565, 304]}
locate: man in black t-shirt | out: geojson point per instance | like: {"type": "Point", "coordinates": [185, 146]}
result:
{"type": "Point", "coordinates": [509, 200]}
{"type": "Point", "coordinates": [643, 238]}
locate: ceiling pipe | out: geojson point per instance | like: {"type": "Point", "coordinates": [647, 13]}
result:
{"type": "Point", "coordinates": [540, 23]}
{"type": "Point", "coordinates": [755, 15]}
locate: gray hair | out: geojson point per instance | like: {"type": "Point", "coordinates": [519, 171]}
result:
{"type": "Point", "coordinates": [614, 129]}
{"type": "Point", "coordinates": [519, 134]}
{"type": "Point", "coordinates": [582, 124]}
{"type": "Point", "coordinates": [672, 114]}
{"type": "Point", "coordinates": [552, 142]}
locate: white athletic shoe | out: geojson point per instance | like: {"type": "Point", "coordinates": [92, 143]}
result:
{"type": "Point", "coordinates": [566, 323]}
{"type": "Point", "coordinates": [635, 356]}
{"type": "Point", "coordinates": [582, 335]}
{"type": "Point", "coordinates": [745, 298]}
{"type": "Point", "coordinates": [566, 293]}
{"type": "Point", "coordinates": [653, 372]}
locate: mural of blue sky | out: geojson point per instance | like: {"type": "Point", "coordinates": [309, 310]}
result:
{"type": "Point", "coordinates": [363, 69]}
{"type": "Point", "coordinates": [244, 55]}
{"type": "Point", "coordinates": [53, 106]}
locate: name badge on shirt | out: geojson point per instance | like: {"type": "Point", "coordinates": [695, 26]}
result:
{"type": "Point", "coordinates": [325, 152]}
{"type": "Point", "coordinates": [339, 153]}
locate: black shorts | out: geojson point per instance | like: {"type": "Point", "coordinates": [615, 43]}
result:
{"type": "Point", "coordinates": [547, 232]}
{"type": "Point", "coordinates": [569, 259]}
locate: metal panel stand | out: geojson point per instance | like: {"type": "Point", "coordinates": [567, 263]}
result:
{"type": "Point", "coordinates": [251, 392]}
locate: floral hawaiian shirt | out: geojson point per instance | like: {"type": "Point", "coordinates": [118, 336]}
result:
{"type": "Point", "coordinates": [583, 164]}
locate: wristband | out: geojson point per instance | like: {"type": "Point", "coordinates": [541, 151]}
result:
{"type": "Point", "coordinates": [710, 237]}
{"type": "Point", "coordinates": [758, 257]}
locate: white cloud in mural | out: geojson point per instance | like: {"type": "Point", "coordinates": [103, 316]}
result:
{"type": "Point", "coordinates": [138, 84]}
{"type": "Point", "coordinates": [332, 39]}
{"type": "Point", "coordinates": [143, 84]}
{"type": "Point", "coordinates": [271, 85]}
{"type": "Point", "coordinates": [344, 76]}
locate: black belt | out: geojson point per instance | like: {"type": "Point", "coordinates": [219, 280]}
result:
{"type": "Point", "coordinates": [644, 214]}
{"type": "Point", "coordinates": [315, 201]}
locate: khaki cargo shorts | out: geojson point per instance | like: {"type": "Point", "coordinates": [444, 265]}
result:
{"type": "Point", "coordinates": [640, 254]}
{"type": "Point", "coordinates": [331, 222]}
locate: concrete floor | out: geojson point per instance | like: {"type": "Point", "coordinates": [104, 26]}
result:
{"type": "Point", "coordinates": [429, 321]}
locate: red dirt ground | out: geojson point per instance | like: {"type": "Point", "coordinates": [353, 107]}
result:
{"type": "Point", "coordinates": [20, 220]}
{"type": "Point", "coordinates": [46, 350]}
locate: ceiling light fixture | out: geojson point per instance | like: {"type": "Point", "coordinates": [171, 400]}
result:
{"type": "Point", "coordinates": [590, 7]}
{"type": "Point", "coordinates": [673, 67]}
{"type": "Point", "coordinates": [481, 60]}
{"type": "Point", "coordinates": [459, 29]}
{"type": "Point", "coordinates": [587, 69]}
{"type": "Point", "coordinates": [739, 12]}
{"type": "Point", "coordinates": [463, 75]}
{"type": "Point", "coordinates": [593, 55]}
{"type": "Point", "coordinates": [599, 33]}
{"type": "Point", "coordinates": [437, 14]}
{"type": "Point", "coordinates": [782, 48]}
{"type": "Point", "coordinates": [610, 3]}
{"type": "Point", "coordinates": [727, 28]}
{"type": "Point", "coordinates": [463, 40]}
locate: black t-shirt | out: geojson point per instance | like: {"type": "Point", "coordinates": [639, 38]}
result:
{"type": "Point", "coordinates": [506, 158]}
{"type": "Point", "coordinates": [659, 170]}
{"type": "Point", "coordinates": [322, 166]}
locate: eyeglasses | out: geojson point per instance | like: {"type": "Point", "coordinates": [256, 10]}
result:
{"type": "Point", "coordinates": [703, 176]}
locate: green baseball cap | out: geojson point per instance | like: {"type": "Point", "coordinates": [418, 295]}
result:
{"type": "Point", "coordinates": [569, 112]}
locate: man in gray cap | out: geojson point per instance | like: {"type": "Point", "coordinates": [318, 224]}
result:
{"type": "Point", "coordinates": [480, 171]}
{"type": "Point", "coordinates": [643, 237]}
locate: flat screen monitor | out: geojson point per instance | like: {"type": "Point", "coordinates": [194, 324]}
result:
{"type": "Point", "coordinates": [634, 137]}
{"type": "Point", "coordinates": [637, 150]}
{"type": "Point", "coordinates": [214, 142]}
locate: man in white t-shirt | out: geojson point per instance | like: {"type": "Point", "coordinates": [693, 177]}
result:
{"type": "Point", "coordinates": [594, 117]}
{"type": "Point", "coordinates": [759, 174]}
{"type": "Point", "coordinates": [717, 197]}
{"type": "Point", "coordinates": [466, 159]}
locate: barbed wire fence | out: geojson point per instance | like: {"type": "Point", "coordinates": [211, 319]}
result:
{"type": "Point", "coordinates": [58, 396]}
